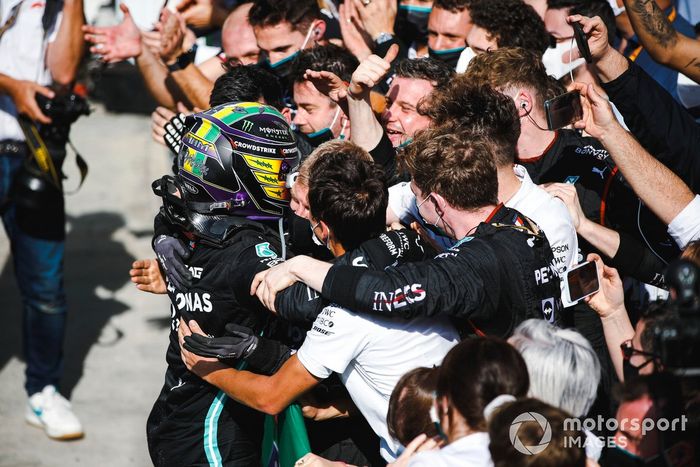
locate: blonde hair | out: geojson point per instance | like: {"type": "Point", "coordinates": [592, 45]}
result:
{"type": "Point", "coordinates": [329, 147]}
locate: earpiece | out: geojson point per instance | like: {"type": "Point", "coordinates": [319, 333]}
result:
{"type": "Point", "coordinates": [523, 105]}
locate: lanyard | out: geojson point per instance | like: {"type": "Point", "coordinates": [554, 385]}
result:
{"type": "Point", "coordinates": [635, 53]}
{"type": "Point", "coordinates": [12, 19]}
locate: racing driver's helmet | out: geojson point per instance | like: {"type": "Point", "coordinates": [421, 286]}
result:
{"type": "Point", "coordinates": [234, 162]}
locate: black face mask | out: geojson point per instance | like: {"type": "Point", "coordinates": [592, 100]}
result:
{"type": "Point", "coordinates": [412, 23]}
{"type": "Point", "coordinates": [449, 56]}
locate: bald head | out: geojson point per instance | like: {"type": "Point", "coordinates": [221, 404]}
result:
{"type": "Point", "coordinates": [237, 37]}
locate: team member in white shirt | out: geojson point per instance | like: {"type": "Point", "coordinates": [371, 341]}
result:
{"type": "Point", "coordinates": [482, 109]}
{"type": "Point", "coordinates": [369, 352]}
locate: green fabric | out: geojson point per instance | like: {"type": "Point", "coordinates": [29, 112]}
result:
{"type": "Point", "coordinates": [285, 439]}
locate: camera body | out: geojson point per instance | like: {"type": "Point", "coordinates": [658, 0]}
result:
{"type": "Point", "coordinates": [39, 199]}
{"type": "Point", "coordinates": [64, 109]}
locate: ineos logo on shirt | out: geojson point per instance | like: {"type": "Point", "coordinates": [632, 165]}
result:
{"type": "Point", "coordinates": [398, 298]}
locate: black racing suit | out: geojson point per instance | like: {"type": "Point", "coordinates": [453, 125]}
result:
{"type": "Point", "coordinates": [301, 304]}
{"type": "Point", "coordinates": [193, 422]}
{"type": "Point", "coordinates": [496, 279]}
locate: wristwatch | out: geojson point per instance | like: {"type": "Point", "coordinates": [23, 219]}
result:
{"type": "Point", "coordinates": [183, 60]}
{"type": "Point", "coordinates": [383, 37]}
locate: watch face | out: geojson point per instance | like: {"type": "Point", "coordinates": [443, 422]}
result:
{"type": "Point", "coordinates": [383, 37]}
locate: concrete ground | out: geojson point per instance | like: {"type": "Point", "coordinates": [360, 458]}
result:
{"type": "Point", "coordinates": [117, 336]}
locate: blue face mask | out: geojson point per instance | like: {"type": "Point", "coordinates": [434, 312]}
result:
{"type": "Point", "coordinates": [405, 143]}
{"type": "Point", "coordinates": [281, 68]}
{"type": "Point", "coordinates": [449, 56]}
{"type": "Point", "coordinates": [326, 134]}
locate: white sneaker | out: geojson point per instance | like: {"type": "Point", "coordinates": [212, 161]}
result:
{"type": "Point", "coordinates": [51, 411]}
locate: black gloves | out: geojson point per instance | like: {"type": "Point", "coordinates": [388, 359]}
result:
{"type": "Point", "coordinates": [238, 343]}
{"type": "Point", "coordinates": [172, 255]}
{"type": "Point", "coordinates": [174, 131]}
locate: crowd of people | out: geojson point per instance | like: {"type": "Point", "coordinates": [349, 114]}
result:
{"type": "Point", "coordinates": [375, 220]}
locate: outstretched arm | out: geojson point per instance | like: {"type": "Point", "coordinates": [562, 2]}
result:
{"type": "Point", "coordinates": [267, 394]}
{"type": "Point", "coordinates": [609, 303]}
{"type": "Point", "coordinates": [664, 44]}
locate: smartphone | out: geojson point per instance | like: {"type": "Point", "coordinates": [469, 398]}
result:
{"type": "Point", "coordinates": [582, 42]}
{"type": "Point", "coordinates": [563, 110]}
{"type": "Point", "coordinates": [581, 281]}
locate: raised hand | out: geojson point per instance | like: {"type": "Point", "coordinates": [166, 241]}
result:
{"type": "Point", "coordinates": [328, 83]}
{"type": "Point", "coordinates": [377, 16]}
{"type": "Point", "coordinates": [145, 273]}
{"type": "Point", "coordinates": [355, 38]}
{"type": "Point", "coordinates": [115, 43]}
{"type": "Point", "coordinates": [371, 71]}
{"type": "Point", "coordinates": [598, 117]}
{"type": "Point", "coordinates": [172, 30]}
{"type": "Point", "coordinates": [597, 35]}
{"type": "Point", "coordinates": [611, 295]}
{"type": "Point", "coordinates": [202, 13]}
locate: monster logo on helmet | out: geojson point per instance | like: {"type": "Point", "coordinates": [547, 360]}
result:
{"type": "Point", "coordinates": [234, 161]}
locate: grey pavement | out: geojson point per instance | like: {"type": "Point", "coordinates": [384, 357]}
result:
{"type": "Point", "coordinates": [117, 336]}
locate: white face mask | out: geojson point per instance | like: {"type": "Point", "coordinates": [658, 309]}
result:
{"type": "Point", "coordinates": [464, 59]}
{"type": "Point", "coordinates": [317, 240]}
{"type": "Point", "coordinates": [553, 62]}
{"type": "Point", "coordinates": [617, 10]}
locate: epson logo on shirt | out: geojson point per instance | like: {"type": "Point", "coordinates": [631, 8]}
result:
{"type": "Point", "coordinates": [398, 298]}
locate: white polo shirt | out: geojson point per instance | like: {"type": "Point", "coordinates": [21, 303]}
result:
{"type": "Point", "coordinates": [371, 353]}
{"type": "Point", "coordinates": [468, 451]}
{"type": "Point", "coordinates": [22, 52]}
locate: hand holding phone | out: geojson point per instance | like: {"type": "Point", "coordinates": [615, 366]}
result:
{"type": "Point", "coordinates": [582, 42]}
{"type": "Point", "coordinates": [563, 110]}
{"type": "Point", "coordinates": [581, 281]}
